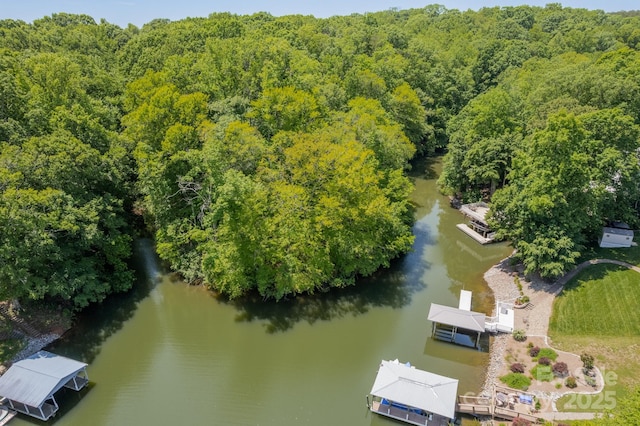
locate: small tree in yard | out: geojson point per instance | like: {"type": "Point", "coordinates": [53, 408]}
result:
{"type": "Point", "coordinates": [517, 367]}
{"type": "Point", "coordinates": [519, 421]}
{"type": "Point", "coordinates": [587, 362]}
{"type": "Point", "coordinates": [560, 369]}
{"type": "Point", "coordinates": [519, 335]}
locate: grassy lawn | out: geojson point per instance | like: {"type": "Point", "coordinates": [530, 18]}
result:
{"type": "Point", "coordinates": [630, 255]}
{"type": "Point", "coordinates": [602, 300]}
{"type": "Point", "coordinates": [598, 313]}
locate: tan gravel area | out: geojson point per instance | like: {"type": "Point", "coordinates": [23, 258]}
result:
{"type": "Point", "coordinates": [534, 320]}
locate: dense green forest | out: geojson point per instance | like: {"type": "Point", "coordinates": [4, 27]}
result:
{"type": "Point", "coordinates": [270, 154]}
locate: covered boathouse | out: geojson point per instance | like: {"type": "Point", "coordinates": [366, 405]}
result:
{"type": "Point", "coordinates": [477, 228]}
{"type": "Point", "coordinates": [463, 326]}
{"type": "Point", "coordinates": [414, 396]}
{"type": "Point", "coordinates": [457, 325]}
{"type": "Point", "coordinates": [29, 385]}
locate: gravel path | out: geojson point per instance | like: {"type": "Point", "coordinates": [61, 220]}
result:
{"type": "Point", "coordinates": [35, 344]}
{"type": "Point", "coordinates": [501, 282]}
{"type": "Point", "coordinates": [534, 319]}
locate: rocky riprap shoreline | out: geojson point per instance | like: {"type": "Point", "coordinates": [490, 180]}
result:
{"type": "Point", "coordinates": [501, 282]}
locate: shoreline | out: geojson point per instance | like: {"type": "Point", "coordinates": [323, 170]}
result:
{"type": "Point", "coordinates": [500, 280]}
{"type": "Point", "coordinates": [35, 344]}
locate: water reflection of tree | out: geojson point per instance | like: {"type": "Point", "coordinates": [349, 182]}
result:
{"type": "Point", "coordinates": [466, 260]}
{"type": "Point", "coordinates": [98, 322]}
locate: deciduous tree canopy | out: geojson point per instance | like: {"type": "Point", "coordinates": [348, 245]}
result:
{"type": "Point", "coordinates": [268, 154]}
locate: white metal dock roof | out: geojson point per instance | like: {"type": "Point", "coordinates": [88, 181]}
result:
{"type": "Point", "coordinates": [468, 320]}
{"type": "Point", "coordinates": [416, 388]}
{"type": "Point", "coordinates": [35, 379]}
{"type": "Point", "coordinates": [476, 211]}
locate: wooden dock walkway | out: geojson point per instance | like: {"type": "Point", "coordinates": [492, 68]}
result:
{"type": "Point", "coordinates": [491, 406]}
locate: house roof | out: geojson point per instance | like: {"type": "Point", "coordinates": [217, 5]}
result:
{"type": "Point", "coordinates": [35, 379]}
{"type": "Point", "coordinates": [617, 231]}
{"type": "Point", "coordinates": [468, 320]}
{"type": "Point", "coordinates": [416, 388]}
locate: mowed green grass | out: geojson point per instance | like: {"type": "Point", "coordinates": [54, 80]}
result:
{"type": "Point", "coordinates": [598, 313]}
{"type": "Point", "coordinates": [602, 300]}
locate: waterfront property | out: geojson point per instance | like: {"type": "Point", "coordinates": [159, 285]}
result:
{"type": "Point", "coordinates": [477, 228]}
{"type": "Point", "coordinates": [414, 396]}
{"type": "Point", "coordinates": [463, 326]}
{"type": "Point", "coordinates": [29, 385]}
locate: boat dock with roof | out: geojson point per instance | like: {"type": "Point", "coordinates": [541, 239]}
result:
{"type": "Point", "coordinates": [477, 228]}
{"type": "Point", "coordinates": [413, 396]}
{"type": "Point", "coordinates": [463, 326]}
{"type": "Point", "coordinates": [29, 385]}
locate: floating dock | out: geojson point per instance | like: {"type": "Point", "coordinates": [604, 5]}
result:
{"type": "Point", "coordinates": [473, 234]}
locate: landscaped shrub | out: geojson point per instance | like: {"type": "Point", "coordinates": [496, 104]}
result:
{"type": "Point", "coordinates": [542, 373]}
{"type": "Point", "coordinates": [543, 360]}
{"type": "Point", "coordinates": [591, 381]}
{"type": "Point", "coordinates": [560, 369]}
{"type": "Point", "coordinates": [548, 353]}
{"type": "Point", "coordinates": [587, 361]}
{"type": "Point", "coordinates": [516, 381]}
{"type": "Point", "coordinates": [534, 351]}
{"type": "Point", "coordinates": [570, 382]}
{"type": "Point", "coordinates": [517, 367]}
{"type": "Point", "coordinates": [519, 335]}
{"type": "Point", "coordinates": [519, 421]}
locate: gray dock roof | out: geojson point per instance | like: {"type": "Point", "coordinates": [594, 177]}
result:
{"type": "Point", "coordinates": [35, 379]}
{"type": "Point", "coordinates": [477, 211]}
{"type": "Point", "coordinates": [468, 320]}
{"type": "Point", "coordinates": [416, 388]}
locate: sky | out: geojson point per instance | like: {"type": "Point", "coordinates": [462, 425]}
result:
{"type": "Point", "coordinates": [139, 12]}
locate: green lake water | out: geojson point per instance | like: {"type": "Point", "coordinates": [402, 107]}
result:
{"type": "Point", "coordinates": [171, 354]}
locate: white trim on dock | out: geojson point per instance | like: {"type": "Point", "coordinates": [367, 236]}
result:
{"type": "Point", "coordinates": [473, 234]}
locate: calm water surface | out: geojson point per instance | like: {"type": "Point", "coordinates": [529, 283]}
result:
{"type": "Point", "coordinates": [170, 354]}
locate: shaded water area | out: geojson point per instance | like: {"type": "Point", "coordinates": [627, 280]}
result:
{"type": "Point", "coordinates": [168, 353]}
